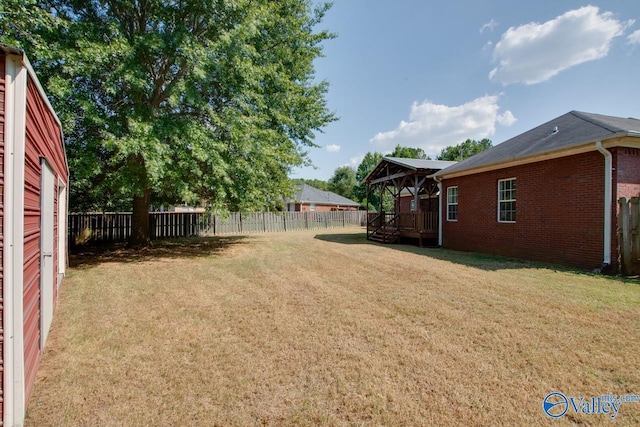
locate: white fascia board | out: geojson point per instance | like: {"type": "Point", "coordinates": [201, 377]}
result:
{"type": "Point", "coordinates": [13, 255]}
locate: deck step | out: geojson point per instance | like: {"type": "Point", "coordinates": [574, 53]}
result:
{"type": "Point", "coordinates": [384, 237]}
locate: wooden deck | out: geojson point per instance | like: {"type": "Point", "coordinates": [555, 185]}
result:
{"type": "Point", "coordinates": [389, 227]}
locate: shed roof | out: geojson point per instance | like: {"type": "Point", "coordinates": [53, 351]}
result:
{"type": "Point", "coordinates": [10, 50]}
{"type": "Point", "coordinates": [571, 130]}
{"type": "Point", "coordinates": [309, 194]}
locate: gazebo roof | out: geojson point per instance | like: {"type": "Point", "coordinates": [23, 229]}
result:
{"type": "Point", "coordinates": [397, 167]}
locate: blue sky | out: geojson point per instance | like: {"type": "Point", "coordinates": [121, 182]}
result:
{"type": "Point", "coordinates": [432, 74]}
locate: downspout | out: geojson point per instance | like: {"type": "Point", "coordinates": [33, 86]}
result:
{"type": "Point", "coordinates": [608, 177]}
{"type": "Point", "coordinates": [439, 181]}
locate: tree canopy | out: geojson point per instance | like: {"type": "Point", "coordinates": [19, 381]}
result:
{"type": "Point", "coordinates": [369, 161]}
{"type": "Point", "coordinates": [343, 181]}
{"type": "Point", "coordinates": [409, 153]}
{"type": "Point", "coordinates": [315, 183]}
{"type": "Point", "coordinates": [464, 150]}
{"type": "Point", "coordinates": [190, 101]}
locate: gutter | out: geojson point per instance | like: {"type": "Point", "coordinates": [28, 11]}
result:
{"type": "Point", "coordinates": [608, 177]}
{"type": "Point", "coordinates": [438, 179]}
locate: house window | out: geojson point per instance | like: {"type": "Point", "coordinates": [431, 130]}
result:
{"type": "Point", "coordinates": [452, 204]}
{"type": "Point", "coordinates": [507, 200]}
{"type": "Point", "coordinates": [413, 205]}
{"type": "Point", "coordinates": [312, 207]}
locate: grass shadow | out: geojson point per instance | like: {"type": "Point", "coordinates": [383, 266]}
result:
{"type": "Point", "coordinates": [191, 247]}
{"type": "Point", "coordinates": [482, 261]}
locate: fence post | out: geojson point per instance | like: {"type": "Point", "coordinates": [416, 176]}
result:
{"type": "Point", "coordinates": [625, 236]}
{"type": "Point", "coordinates": [635, 229]}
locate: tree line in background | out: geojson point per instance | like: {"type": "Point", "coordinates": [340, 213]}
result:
{"type": "Point", "coordinates": [349, 182]}
{"type": "Point", "coordinates": [167, 102]}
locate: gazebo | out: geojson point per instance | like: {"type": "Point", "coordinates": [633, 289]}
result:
{"type": "Point", "coordinates": [415, 194]}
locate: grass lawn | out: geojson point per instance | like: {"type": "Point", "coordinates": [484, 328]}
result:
{"type": "Point", "coordinates": [309, 328]}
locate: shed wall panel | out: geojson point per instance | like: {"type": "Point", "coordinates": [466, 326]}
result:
{"type": "Point", "coordinates": [43, 140]}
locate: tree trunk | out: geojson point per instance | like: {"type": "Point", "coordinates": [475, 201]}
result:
{"type": "Point", "coordinates": [140, 223]}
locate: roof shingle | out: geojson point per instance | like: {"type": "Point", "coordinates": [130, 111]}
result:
{"type": "Point", "coordinates": [570, 130]}
{"type": "Point", "coordinates": [309, 194]}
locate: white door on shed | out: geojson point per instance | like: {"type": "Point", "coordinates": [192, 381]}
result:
{"type": "Point", "coordinates": [47, 204]}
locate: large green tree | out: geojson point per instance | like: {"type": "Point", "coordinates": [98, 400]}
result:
{"type": "Point", "coordinates": [369, 161]}
{"type": "Point", "coordinates": [20, 21]}
{"type": "Point", "coordinates": [315, 183]}
{"type": "Point", "coordinates": [184, 100]}
{"type": "Point", "coordinates": [409, 153]}
{"type": "Point", "coordinates": [343, 181]}
{"type": "Point", "coordinates": [468, 148]}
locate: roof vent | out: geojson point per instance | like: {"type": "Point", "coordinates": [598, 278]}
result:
{"type": "Point", "coordinates": [555, 129]}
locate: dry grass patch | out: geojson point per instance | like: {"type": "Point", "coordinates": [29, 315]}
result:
{"type": "Point", "coordinates": [327, 329]}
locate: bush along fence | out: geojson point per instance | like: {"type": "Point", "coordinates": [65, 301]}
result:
{"type": "Point", "coordinates": [629, 235]}
{"type": "Point", "coordinates": [116, 226]}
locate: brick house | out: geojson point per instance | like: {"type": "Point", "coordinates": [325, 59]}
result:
{"type": "Point", "coordinates": [310, 199]}
{"type": "Point", "coordinates": [549, 194]}
{"type": "Point", "coordinates": [33, 237]}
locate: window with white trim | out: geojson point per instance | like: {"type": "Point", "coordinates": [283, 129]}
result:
{"type": "Point", "coordinates": [507, 200]}
{"type": "Point", "coordinates": [452, 203]}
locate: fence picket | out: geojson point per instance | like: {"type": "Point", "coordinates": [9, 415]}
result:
{"type": "Point", "coordinates": [629, 235]}
{"type": "Point", "coordinates": [116, 226]}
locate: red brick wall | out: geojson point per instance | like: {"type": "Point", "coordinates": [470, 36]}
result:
{"type": "Point", "coordinates": [559, 212]}
{"type": "Point", "coordinates": [626, 164]}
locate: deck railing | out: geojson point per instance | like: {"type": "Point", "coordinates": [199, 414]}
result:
{"type": "Point", "coordinates": [421, 221]}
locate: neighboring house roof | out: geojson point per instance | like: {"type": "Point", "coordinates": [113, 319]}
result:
{"type": "Point", "coordinates": [309, 194]}
{"type": "Point", "coordinates": [560, 136]}
{"type": "Point", "coordinates": [429, 166]}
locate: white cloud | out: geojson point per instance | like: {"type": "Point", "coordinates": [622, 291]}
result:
{"type": "Point", "coordinates": [490, 25]}
{"type": "Point", "coordinates": [333, 148]}
{"type": "Point", "coordinates": [533, 53]}
{"type": "Point", "coordinates": [634, 38]}
{"type": "Point", "coordinates": [355, 161]}
{"type": "Point", "coordinates": [433, 126]}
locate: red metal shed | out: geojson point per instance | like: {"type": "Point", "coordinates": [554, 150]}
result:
{"type": "Point", "coordinates": [33, 185]}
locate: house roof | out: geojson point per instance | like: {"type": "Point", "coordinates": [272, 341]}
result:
{"type": "Point", "coordinates": [426, 167]}
{"type": "Point", "coordinates": [567, 132]}
{"type": "Point", "coordinates": [309, 194]}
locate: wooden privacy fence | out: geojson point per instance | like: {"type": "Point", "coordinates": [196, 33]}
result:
{"type": "Point", "coordinates": [116, 226]}
{"type": "Point", "coordinates": [629, 235]}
